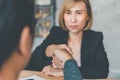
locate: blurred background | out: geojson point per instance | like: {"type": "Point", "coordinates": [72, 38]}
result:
{"type": "Point", "coordinates": [106, 15]}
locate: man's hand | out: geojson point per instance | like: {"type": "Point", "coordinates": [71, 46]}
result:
{"type": "Point", "coordinates": [63, 55]}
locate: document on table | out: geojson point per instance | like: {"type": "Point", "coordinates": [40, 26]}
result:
{"type": "Point", "coordinates": [33, 77]}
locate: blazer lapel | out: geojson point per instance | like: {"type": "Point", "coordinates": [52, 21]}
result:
{"type": "Point", "coordinates": [85, 49]}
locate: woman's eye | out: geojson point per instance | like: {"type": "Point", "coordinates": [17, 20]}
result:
{"type": "Point", "coordinates": [68, 12]}
{"type": "Point", "coordinates": [79, 13]}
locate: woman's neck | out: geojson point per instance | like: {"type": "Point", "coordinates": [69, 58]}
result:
{"type": "Point", "coordinates": [75, 37]}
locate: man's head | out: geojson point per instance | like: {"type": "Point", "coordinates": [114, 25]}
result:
{"type": "Point", "coordinates": [16, 29]}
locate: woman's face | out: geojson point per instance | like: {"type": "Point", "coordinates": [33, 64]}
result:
{"type": "Point", "coordinates": [75, 18]}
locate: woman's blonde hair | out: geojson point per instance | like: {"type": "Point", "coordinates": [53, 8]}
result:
{"type": "Point", "coordinates": [67, 4]}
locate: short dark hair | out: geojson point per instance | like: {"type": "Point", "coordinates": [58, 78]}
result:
{"type": "Point", "coordinates": [14, 16]}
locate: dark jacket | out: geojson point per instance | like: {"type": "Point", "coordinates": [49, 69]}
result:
{"type": "Point", "coordinates": [94, 61]}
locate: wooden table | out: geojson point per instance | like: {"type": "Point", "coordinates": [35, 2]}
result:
{"type": "Point", "coordinates": [26, 73]}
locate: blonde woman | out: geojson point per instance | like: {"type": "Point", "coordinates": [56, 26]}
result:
{"type": "Point", "coordinates": [74, 35]}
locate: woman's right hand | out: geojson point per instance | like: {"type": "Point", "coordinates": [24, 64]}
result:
{"type": "Point", "coordinates": [51, 49]}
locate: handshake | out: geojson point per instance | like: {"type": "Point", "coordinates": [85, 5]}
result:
{"type": "Point", "coordinates": [60, 54]}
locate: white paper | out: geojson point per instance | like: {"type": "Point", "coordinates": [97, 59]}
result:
{"type": "Point", "coordinates": [33, 77]}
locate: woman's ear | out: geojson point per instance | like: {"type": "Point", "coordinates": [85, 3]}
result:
{"type": "Point", "coordinates": [25, 43]}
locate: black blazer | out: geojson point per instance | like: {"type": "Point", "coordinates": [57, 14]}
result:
{"type": "Point", "coordinates": [94, 61]}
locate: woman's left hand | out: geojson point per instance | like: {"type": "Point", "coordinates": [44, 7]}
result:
{"type": "Point", "coordinates": [49, 70]}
